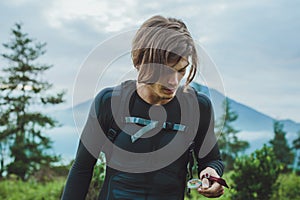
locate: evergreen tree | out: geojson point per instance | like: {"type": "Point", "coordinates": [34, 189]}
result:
{"type": "Point", "coordinates": [296, 142]}
{"type": "Point", "coordinates": [296, 146]}
{"type": "Point", "coordinates": [255, 175]}
{"type": "Point", "coordinates": [23, 91]}
{"type": "Point", "coordinates": [229, 143]}
{"type": "Point", "coordinates": [282, 151]}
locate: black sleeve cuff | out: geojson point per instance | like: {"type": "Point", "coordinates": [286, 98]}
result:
{"type": "Point", "coordinates": [215, 164]}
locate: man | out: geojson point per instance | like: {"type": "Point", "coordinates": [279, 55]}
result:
{"type": "Point", "coordinates": [151, 124]}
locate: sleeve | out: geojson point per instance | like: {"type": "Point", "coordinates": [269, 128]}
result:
{"type": "Point", "coordinates": [80, 175]}
{"type": "Point", "coordinates": [206, 147]}
{"type": "Point", "coordinates": [90, 144]}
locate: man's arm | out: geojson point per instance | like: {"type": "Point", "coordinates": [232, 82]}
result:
{"type": "Point", "coordinates": [80, 175]}
{"type": "Point", "coordinates": [91, 142]}
{"type": "Point", "coordinates": [207, 150]}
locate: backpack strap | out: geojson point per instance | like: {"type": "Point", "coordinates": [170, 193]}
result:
{"type": "Point", "coordinates": [120, 99]}
{"type": "Point", "coordinates": [190, 163]}
{"type": "Point", "coordinates": [151, 124]}
{"type": "Point", "coordinates": [191, 160]}
{"type": "Point", "coordinates": [165, 125]}
{"type": "Point", "coordinates": [188, 95]}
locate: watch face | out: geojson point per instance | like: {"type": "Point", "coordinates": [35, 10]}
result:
{"type": "Point", "coordinates": [194, 183]}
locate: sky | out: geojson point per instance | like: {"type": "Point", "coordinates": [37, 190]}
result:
{"type": "Point", "coordinates": [254, 44]}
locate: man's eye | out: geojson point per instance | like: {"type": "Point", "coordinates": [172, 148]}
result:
{"type": "Point", "coordinates": [182, 70]}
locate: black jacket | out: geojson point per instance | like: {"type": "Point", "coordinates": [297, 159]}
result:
{"type": "Point", "coordinates": [167, 182]}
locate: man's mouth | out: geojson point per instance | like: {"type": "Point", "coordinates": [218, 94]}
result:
{"type": "Point", "coordinates": [169, 90]}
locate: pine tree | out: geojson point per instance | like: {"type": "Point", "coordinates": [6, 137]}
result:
{"type": "Point", "coordinates": [229, 143]}
{"type": "Point", "coordinates": [23, 91]}
{"type": "Point", "coordinates": [296, 142]}
{"type": "Point", "coordinates": [255, 175]}
{"type": "Point", "coordinates": [283, 152]}
{"type": "Point", "coordinates": [296, 146]}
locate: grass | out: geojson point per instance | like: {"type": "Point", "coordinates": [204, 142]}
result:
{"type": "Point", "coordinates": [12, 189]}
{"type": "Point", "coordinates": [31, 190]}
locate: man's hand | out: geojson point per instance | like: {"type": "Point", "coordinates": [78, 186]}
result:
{"type": "Point", "coordinates": [214, 190]}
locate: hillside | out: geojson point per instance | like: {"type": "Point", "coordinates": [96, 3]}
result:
{"type": "Point", "coordinates": [254, 126]}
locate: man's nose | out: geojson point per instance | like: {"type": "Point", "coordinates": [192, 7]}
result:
{"type": "Point", "coordinates": [173, 79]}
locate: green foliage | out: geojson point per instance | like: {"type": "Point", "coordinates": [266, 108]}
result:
{"type": "Point", "coordinates": [97, 181]}
{"type": "Point", "coordinates": [289, 187]}
{"type": "Point", "coordinates": [61, 170]}
{"type": "Point", "coordinates": [296, 142]}
{"type": "Point", "coordinates": [229, 143]}
{"type": "Point", "coordinates": [49, 173]}
{"type": "Point", "coordinates": [13, 189]}
{"type": "Point", "coordinates": [296, 147]}
{"type": "Point", "coordinates": [23, 89]}
{"type": "Point", "coordinates": [31, 190]}
{"type": "Point", "coordinates": [283, 153]}
{"type": "Point", "coordinates": [255, 176]}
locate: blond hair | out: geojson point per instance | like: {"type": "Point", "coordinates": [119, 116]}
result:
{"type": "Point", "coordinates": [165, 41]}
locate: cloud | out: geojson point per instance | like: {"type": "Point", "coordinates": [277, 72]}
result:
{"type": "Point", "coordinates": [254, 44]}
{"type": "Point", "coordinates": [254, 136]}
{"type": "Point", "coordinates": [107, 16]}
{"type": "Point", "coordinates": [17, 2]}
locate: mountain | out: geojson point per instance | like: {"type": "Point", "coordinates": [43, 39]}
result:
{"type": "Point", "coordinates": [255, 127]}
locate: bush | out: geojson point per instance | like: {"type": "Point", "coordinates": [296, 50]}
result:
{"type": "Point", "coordinates": [31, 190]}
{"type": "Point", "coordinates": [49, 173]}
{"type": "Point", "coordinates": [97, 181]}
{"type": "Point", "coordinates": [43, 175]}
{"type": "Point", "coordinates": [255, 176]}
{"type": "Point", "coordinates": [289, 187]}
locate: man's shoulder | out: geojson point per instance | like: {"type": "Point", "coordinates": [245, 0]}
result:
{"type": "Point", "coordinates": [107, 93]}
{"type": "Point", "coordinates": [203, 99]}
{"type": "Point", "coordinates": [104, 94]}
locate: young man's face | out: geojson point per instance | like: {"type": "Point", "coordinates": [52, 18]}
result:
{"type": "Point", "coordinates": [169, 81]}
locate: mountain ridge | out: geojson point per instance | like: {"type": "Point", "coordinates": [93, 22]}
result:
{"type": "Point", "coordinates": [255, 126]}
